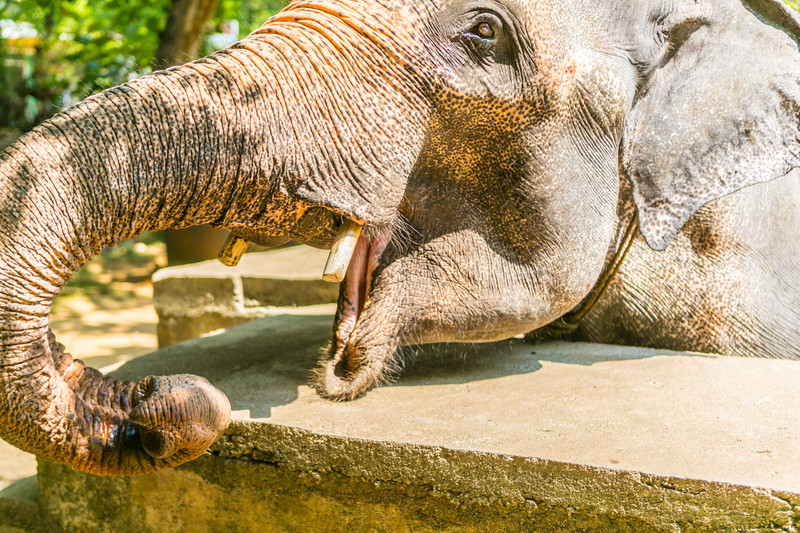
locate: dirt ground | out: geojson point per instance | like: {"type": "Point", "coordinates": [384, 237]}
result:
{"type": "Point", "coordinates": [104, 317]}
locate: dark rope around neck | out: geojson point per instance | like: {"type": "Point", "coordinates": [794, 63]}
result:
{"type": "Point", "coordinates": [568, 323]}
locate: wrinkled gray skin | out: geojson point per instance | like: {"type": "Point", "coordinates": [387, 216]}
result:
{"type": "Point", "coordinates": [498, 149]}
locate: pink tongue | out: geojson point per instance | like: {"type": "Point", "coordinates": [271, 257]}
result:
{"type": "Point", "coordinates": [355, 292]}
{"type": "Point", "coordinates": [357, 284]}
{"type": "Point", "coordinates": [356, 279]}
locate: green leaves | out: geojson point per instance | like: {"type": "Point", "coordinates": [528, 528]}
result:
{"type": "Point", "coordinates": [250, 13]}
{"type": "Point", "coordinates": [84, 46]}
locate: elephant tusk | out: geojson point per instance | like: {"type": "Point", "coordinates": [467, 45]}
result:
{"type": "Point", "coordinates": [341, 252]}
{"type": "Point", "coordinates": [232, 251]}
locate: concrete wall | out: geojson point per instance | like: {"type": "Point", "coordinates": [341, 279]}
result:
{"type": "Point", "coordinates": [496, 437]}
{"type": "Point", "coordinates": [194, 300]}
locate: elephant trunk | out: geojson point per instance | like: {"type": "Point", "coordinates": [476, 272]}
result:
{"type": "Point", "coordinates": [157, 152]}
{"type": "Point", "coordinates": [259, 138]}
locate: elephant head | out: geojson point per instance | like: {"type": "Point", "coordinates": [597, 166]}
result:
{"type": "Point", "coordinates": [479, 143]}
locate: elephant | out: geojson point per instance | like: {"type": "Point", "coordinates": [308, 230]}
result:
{"type": "Point", "coordinates": [483, 168]}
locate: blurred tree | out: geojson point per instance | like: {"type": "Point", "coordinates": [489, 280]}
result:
{"type": "Point", "coordinates": [183, 34]}
{"type": "Point", "coordinates": [78, 47]}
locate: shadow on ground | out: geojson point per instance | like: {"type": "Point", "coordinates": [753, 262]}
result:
{"type": "Point", "coordinates": [261, 364]}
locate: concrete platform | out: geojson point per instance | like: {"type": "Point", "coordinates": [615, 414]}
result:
{"type": "Point", "coordinates": [194, 300]}
{"type": "Point", "coordinates": [501, 437]}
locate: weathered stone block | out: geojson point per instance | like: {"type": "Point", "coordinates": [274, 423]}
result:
{"type": "Point", "coordinates": [194, 300]}
{"type": "Point", "coordinates": [496, 437]}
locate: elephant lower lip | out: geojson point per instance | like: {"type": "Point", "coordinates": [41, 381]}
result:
{"type": "Point", "coordinates": [356, 287]}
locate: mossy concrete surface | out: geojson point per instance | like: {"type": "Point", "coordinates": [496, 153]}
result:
{"type": "Point", "coordinates": [19, 510]}
{"type": "Point", "coordinates": [194, 300]}
{"type": "Point", "coordinates": [496, 437]}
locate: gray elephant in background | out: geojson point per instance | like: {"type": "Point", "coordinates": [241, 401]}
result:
{"type": "Point", "coordinates": [496, 158]}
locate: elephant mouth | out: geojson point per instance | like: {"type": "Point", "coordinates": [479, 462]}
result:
{"type": "Point", "coordinates": [354, 299]}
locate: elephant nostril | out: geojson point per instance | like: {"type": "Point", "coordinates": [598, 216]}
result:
{"type": "Point", "coordinates": [144, 389]}
{"type": "Point", "coordinates": [156, 444]}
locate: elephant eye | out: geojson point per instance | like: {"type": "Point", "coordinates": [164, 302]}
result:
{"type": "Point", "coordinates": [484, 30]}
{"type": "Point", "coordinates": [485, 37]}
{"type": "Point", "coordinates": [482, 26]}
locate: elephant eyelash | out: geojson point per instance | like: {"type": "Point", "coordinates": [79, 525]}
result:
{"type": "Point", "coordinates": [479, 49]}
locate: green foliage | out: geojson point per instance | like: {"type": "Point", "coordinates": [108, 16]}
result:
{"type": "Point", "coordinates": [250, 13]}
{"type": "Point", "coordinates": [85, 46]}
{"type": "Point", "coordinates": [794, 4]}
{"type": "Point", "coordinates": [130, 261]}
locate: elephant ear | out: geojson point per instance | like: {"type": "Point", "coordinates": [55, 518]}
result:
{"type": "Point", "coordinates": [721, 112]}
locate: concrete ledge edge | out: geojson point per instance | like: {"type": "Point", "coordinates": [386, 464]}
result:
{"type": "Point", "coordinates": [468, 477]}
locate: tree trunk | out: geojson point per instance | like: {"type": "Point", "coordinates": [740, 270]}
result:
{"type": "Point", "coordinates": [183, 35]}
{"type": "Point", "coordinates": [180, 42]}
